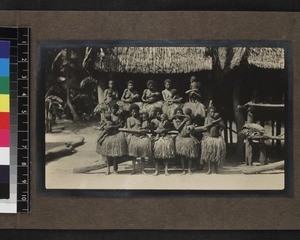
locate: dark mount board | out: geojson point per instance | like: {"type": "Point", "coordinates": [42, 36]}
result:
{"type": "Point", "coordinates": [153, 5]}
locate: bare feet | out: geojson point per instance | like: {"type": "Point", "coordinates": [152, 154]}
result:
{"type": "Point", "coordinates": [167, 174]}
{"type": "Point", "coordinates": [143, 172]}
{"type": "Point", "coordinates": [156, 173]}
{"type": "Point", "coordinates": [183, 173]}
{"type": "Point", "coordinates": [115, 172]}
{"type": "Point", "coordinates": [190, 172]}
{"type": "Point", "coordinates": [208, 172]}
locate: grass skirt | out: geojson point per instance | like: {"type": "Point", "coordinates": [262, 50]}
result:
{"type": "Point", "coordinates": [139, 146]}
{"type": "Point", "coordinates": [186, 147]}
{"type": "Point", "coordinates": [197, 108]}
{"type": "Point", "coordinates": [113, 146]}
{"type": "Point", "coordinates": [164, 148]}
{"type": "Point", "coordinates": [213, 149]}
{"type": "Point", "coordinates": [170, 108]}
{"type": "Point", "coordinates": [149, 107]}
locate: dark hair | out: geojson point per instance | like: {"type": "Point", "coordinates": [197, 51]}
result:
{"type": "Point", "coordinates": [167, 81]}
{"type": "Point", "coordinates": [134, 107]}
{"type": "Point", "coordinates": [174, 91]}
{"type": "Point", "coordinates": [188, 111]}
{"type": "Point", "coordinates": [129, 82]}
{"type": "Point", "coordinates": [216, 115]}
{"type": "Point", "coordinates": [193, 79]}
{"type": "Point", "coordinates": [156, 110]}
{"type": "Point", "coordinates": [115, 106]}
{"type": "Point", "coordinates": [150, 82]}
{"type": "Point", "coordinates": [176, 109]}
{"type": "Point", "coordinates": [145, 113]}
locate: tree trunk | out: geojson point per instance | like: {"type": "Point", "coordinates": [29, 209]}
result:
{"type": "Point", "coordinates": [239, 119]}
{"type": "Point", "coordinates": [74, 114]}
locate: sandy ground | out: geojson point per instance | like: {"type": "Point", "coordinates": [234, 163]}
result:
{"type": "Point", "coordinates": [59, 173]}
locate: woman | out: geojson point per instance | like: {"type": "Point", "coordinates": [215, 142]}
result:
{"type": "Point", "coordinates": [129, 96]}
{"type": "Point", "coordinates": [150, 98]}
{"type": "Point", "coordinates": [112, 144]}
{"type": "Point", "coordinates": [171, 100]}
{"type": "Point", "coordinates": [186, 146]}
{"type": "Point", "coordinates": [139, 144]}
{"type": "Point", "coordinates": [213, 146]}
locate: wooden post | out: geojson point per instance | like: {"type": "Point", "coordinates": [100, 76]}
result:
{"type": "Point", "coordinates": [226, 131]}
{"type": "Point", "coordinates": [230, 132]}
{"type": "Point", "coordinates": [248, 145]}
{"type": "Point", "coordinates": [278, 132]}
{"type": "Point", "coordinates": [273, 133]}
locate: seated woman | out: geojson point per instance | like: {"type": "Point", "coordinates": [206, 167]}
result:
{"type": "Point", "coordinates": [129, 96]}
{"type": "Point", "coordinates": [186, 146]}
{"type": "Point", "coordinates": [213, 146]}
{"type": "Point", "coordinates": [112, 143]}
{"type": "Point", "coordinates": [139, 144]}
{"type": "Point", "coordinates": [150, 98]}
{"type": "Point", "coordinates": [164, 147]}
{"type": "Point", "coordinates": [171, 99]}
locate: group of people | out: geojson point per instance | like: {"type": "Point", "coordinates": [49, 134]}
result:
{"type": "Point", "coordinates": [157, 130]}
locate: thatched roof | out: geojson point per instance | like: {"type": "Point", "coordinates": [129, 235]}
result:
{"type": "Point", "coordinates": [154, 60]}
{"type": "Point", "coordinates": [266, 57]}
{"type": "Point", "coordinates": [182, 59]}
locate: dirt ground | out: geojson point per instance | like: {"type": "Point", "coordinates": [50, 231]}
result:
{"type": "Point", "coordinates": [59, 172]}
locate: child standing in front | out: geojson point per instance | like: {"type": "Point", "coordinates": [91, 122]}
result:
{"type": "Point", "coordinates": [164, 147]}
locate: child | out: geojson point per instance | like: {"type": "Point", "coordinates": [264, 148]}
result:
{"type": "Point", "coordinates": [145, 122]}
{"type": "Point", "coordinates": [194, 91]}
{"type": "Point", "coordinates": [139, 144]}
{"type": "Point", "coordinates": [171, 99]}
{"type": "Point", "coordinates": [186, 146]}
{"type": "Point", "coordinates": [150, 98]}
{"type": "Point", "coordinates": [113, 144]}
{"type": "Point", "coordinates": [129, 96]}
{"type": "Point", "coordinates": [213, 145]}
{"type": "Point", "coordinates": [164, 147]}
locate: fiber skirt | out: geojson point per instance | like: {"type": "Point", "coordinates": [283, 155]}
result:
{"type": "Point", "coordinates": [186, 147]}
{"type": "Point", "coordinates": [170, 108]}
{"type": "Point", "coordinates": [213, 149]}
{"type": "Point", "coordinates": [113, 146]}
{"type": "Point", "coordinates": [149, 107]}
{"type": "Point", "coordinates": [139, 146]}
{"type": "Point", "coordinates": [164, 148]}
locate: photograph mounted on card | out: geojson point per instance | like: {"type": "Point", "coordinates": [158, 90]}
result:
{"type": "Point", "coordinates": [164, 115]}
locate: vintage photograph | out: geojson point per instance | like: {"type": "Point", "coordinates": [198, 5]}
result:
{"type": "Point", "coordinates": [164, 116]}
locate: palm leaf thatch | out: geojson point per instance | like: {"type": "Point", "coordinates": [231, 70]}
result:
{"type": "Point", "coordinates": [153, 60]}
{"type": "Point", "coordinates": [272, 58]}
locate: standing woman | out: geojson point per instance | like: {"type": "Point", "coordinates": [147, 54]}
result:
{"type": "Point", "coordinates": [139, 144]}
{"type": "Point", "coordinates": [186, 146]}
{"type": "Point", "coordinates": [114, 144]}
{"type": "Point", "coordinates": [213, 146]}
